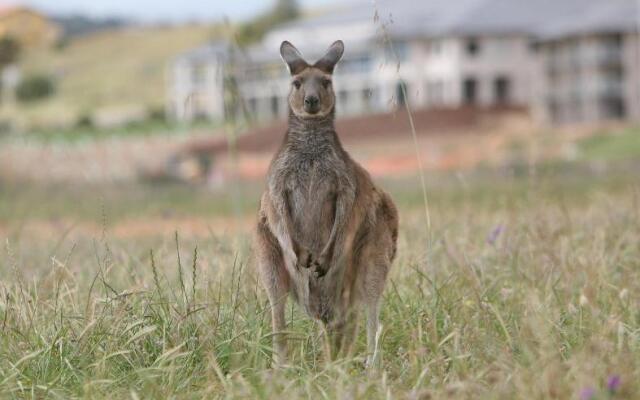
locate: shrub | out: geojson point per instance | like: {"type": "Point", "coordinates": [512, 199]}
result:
{"type": "Point", "coordinates": [61, 44]}
{"type": "Point", "coordinates": [9, 50]}
{"type": "Point", "coordinates": [254, 30]}
{"type": "Point", "coordinates": [85, 121]}
{"type": "Point", "coordinates": [156, 114]}
{"type": "Point", "coordinates": [35, 88]}
{"type": "Point", "coordinates": [6, 127]}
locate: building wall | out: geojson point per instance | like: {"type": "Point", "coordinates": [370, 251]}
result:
{"type": "Point", "coordinates": [441, 72]}
{"type": "Point", "coordinates": [196, 90]}
{"type": "Point", "coordinates": [263, 88]}
{"type": "Point", "coordinates": [589, 78]}
{"type": "Point", "coordinates": [632, 74]}
{"type": "Point", "coordinates": [501, 66]}
{"type": "Point", "coordinates": [428, 72]}
{"type": "Point", "coordinates": [435, 71]}
{"type": "Point", "coordinates": [578, 79]}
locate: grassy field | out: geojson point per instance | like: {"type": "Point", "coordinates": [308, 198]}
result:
{"type": "Point", "coordinates": [620, 144]}
{"type": "Point", "coordinates": [522, 288]}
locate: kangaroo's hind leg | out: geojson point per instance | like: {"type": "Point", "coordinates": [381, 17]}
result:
{"type": "Point", "coordinates": [275, 279]}
{"type": "Point", "coordinates": [342, 334]}
{"type": "Point", "coordinates": [379, 256]}
{"type": "Point", "coordinates": [374, 287]}
{"type": "Point", "coordinates": [375, 267]}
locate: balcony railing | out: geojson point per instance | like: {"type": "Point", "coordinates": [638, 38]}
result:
{"type": "Point", "coordinates": [570, 61]}
{"type": "Point", "coordinates": [611, 88]}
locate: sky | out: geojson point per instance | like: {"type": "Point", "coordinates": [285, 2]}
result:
{"type": "Point", "coordinates": [158, 10]}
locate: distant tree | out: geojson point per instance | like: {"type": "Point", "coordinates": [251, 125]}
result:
{"type": "Point", "coordinates": [9, 51]}
{"type": "Point", "coordinates": [157, 114]}
{"type": "Point", "coordinates": [79, 25]}
{"type": "Point", "coordinates": [254, 30]}
{"type": "Point", "coordinates": [286, 10]}
{"type": "Point", "coordinates": [35, 87]}
{"type": "Point", "coordinates": [61, 43]}
{"type": "Point", "coordinates": [84, 121]}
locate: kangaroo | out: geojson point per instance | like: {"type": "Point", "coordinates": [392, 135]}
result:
{"type": "Point", "coordinates": [326, 235]}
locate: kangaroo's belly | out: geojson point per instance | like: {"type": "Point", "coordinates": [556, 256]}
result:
{"type": "Point", "coordinates": [311, 203]}
{"type": "Point", "coordinates": [312, 214]}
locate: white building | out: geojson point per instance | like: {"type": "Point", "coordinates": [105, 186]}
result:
{"type": "Point", "coordinates": [590, 66]}
{"type": "Point", "coordinates": [441, 53]}
{"type": "Point", "coordinates": [197, 83]}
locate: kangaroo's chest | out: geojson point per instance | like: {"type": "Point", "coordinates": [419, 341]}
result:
{"type": "Point", "coordinates": [311, 187]}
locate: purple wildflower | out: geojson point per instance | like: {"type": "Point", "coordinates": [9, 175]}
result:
{"type": "Point", "coordinates": [494, 234]}
{"type": "Point", "coordinates": [587, 393]}
{"type": "Point", "coordinates": [613, 383]}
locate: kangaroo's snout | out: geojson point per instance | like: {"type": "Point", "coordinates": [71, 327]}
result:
{"type": "Point", "coordinates": [311, 104]}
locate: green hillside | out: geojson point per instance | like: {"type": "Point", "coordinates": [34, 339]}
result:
{"type": "Point", "coordinates": [109, 74]}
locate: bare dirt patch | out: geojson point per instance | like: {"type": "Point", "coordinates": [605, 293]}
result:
{"type": "Point", "coordinates": [383, 143]}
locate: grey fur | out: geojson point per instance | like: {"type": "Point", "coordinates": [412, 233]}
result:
{"type": "Point", "coordinates": [326, 234]}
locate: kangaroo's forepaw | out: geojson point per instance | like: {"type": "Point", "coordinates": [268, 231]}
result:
{"type": "Point", "coordinates": [304, 260]}
{"type": "Point", "coordinates": [319, 267]}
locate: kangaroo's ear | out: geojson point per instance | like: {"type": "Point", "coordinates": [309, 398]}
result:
{"type": "Point", "coordinates": [292, 57]}
{"type": "Point", "coordinates": [329, 60]}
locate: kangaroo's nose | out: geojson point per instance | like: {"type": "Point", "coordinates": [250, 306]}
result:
{"type": "Point", "coordinates": [311, 101]}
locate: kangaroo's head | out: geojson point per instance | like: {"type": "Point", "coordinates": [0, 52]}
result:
{"type": "Point", "coordinates": [311, 94]}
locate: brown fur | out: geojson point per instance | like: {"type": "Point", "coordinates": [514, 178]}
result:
{"type": "Point", "coordinates": [326, 234]}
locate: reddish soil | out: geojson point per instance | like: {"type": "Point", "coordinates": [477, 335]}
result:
{"type": "Point", "coordinates": [376, 126]}
{"type": "Point", "coordinates": [446, 139]}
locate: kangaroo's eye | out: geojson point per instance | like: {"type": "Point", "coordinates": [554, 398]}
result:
{"type": "Point", "coordinates": [326, 83]}
{"type": "Point", "coordinates": [297, 84]}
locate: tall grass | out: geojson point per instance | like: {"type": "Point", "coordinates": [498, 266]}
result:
{"type": "Point", "coordinates": [532, 296]}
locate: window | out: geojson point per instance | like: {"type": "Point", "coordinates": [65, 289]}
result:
{"type": "Point", "coordinates": [275, 106]}
{"type": "Point", "coordinates": [472, 47]}
{"type": "Point", "coordinates": [573, 53]}
{"type": "Point", "coordinates": [575, 107]}
{"type": "Point", "coordinates": [253, 105]}
{"type": "Point", "coordinates": [344, 97]}
{"type": "Point", "coordinates": [401, 90]}
{"type": "Point", "coordinates": [615, 72]}
{"type": "Point", "coordinates": [359, 64]}
{"type": "Point", "coordinates": [534, 46]}
{"type": "Point", "coordinates": [613, 107]}
{"type": "Point", "coordinates": [367, 95]}
{"type": "Point", "coordinates": [502, 90]}
{"type": "Point", "coordinates": [470, 91]}
{"type": "Point", "coordinates": [199, 74]}
{"type": "Point", "coordinates": [199, 107]}
{"type": "Point", "coordinates": [613, 40]}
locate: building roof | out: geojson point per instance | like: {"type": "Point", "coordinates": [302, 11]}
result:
{"type": "Point", "coordinates": [213, 50]}
{"type": "Point", "coordinates": [404, 18]}
{"type": "Point", "coordinates": [344, 14]}
{"type": "Point", "coordinates": [596, 17]}
{"type": "Point", "coordinates": [514, 16]}
{"type": "Point", "coordinates": [401, 19]}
